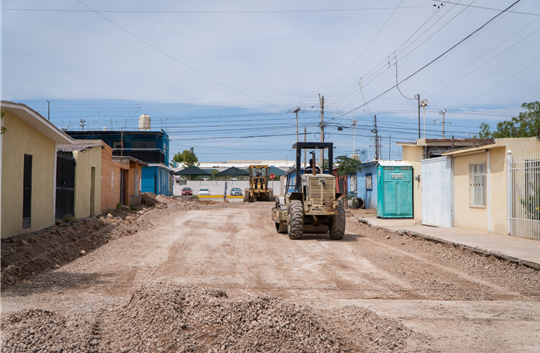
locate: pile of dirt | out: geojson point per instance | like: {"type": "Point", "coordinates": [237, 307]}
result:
{"type": "Point", "coordinates": [28, 254]}
{"type": "Point", "coordinates": [172, 318]}
{"type": "Point", "coordinates": [151, 199]}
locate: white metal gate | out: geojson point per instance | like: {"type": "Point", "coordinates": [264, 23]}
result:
{"type": "Point", "coordinates": [437, 192]}
{"type": "Point", "coordinates": [524, 195]}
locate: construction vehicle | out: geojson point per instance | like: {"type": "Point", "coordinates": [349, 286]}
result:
{"type": "Point", "coordinates": [258, 189]}
{"type": "Point", "coordinates": [310, 203]}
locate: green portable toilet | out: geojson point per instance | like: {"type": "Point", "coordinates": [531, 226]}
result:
{"type": "Point", "coordinates": [394, 190]}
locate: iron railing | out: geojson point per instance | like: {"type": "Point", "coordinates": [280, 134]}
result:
{"type": "Point", "coordinates": [524, 194]}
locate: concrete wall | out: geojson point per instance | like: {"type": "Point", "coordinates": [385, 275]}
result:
{"type": "Point", "coordinates": [493, 217]}
{"type": "Point", "coordinates": [134, 187]}
{"type": "Point", "coordinates": [20, 139]}
{"type": "Point", "coordinates": [217, 187]}
{"type": "Point", "coordinates": [465, 216]}
{"type": "Point", "coordinates": [87, 182]}
{"type": "Point", "coordinates": [414, 155]}
{"type": "Point", "coordinates": [110, 180]}
{"type": "Point", "coordinates": [369, 196]}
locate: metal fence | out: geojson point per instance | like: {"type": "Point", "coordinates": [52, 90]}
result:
{"type": "Point", "coordinates": [524, 195]}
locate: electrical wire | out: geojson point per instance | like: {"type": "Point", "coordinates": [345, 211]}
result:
{"type": "Point", "coordinates": [173, 58]}
{"type": "Point", "coordinates": [366, 48]}
{"type": "Point", "coordinates": [440, 56]}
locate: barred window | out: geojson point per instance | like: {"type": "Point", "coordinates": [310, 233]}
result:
{"type": "Point", "coordinates": [477, 184]}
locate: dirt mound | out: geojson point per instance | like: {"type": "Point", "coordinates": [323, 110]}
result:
{"type": "Point", "coordinates": [178, 318]}
{"type": "Point", "coordinates": [149, 199]}
{"type": "Point", "coordinates": [172, 318]}
{"type": "Point", "coordinates": [28, 254]}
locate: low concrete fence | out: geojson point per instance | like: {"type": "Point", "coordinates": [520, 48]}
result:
{"type": "Point", "coordinates": [217, 187]}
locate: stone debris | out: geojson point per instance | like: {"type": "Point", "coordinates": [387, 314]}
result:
{"type": "Point", "coordinates": [172, 318]}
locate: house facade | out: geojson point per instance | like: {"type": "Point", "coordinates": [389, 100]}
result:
{"type": "Point", "coordinates": [87, 180]}
{"type": "Point", "coordinates": [151, 147]}
{"type": "Point", "coordinates": [132, 196]}
{"type": "Point", "coordinates": [483, 185]}
{"type": "Point", "coordinates": [491, 186]}
{"type": "Point", "coordinates": [28, 170]}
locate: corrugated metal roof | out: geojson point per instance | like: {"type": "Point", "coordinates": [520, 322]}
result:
{"type": "Point", "coordinates": [77, 147]}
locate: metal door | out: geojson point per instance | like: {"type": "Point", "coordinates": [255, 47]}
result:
{"type": "Point", "coordinates": [437, 192]}
{"type": "Point", "coordinates": [65, 184]}
{"type": "Point", "coordinates": [27, 192]}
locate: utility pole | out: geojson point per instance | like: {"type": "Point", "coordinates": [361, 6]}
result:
{"type": "Point", "coordinates": [424, 103]}
{"type": "Point", "coordinates": [418, 96]}
{"type": "Point", "coordinates": [321, 101]}
{"type": "Point", "coordinates": [389, 147]}
{"type": "Point", "coordinates": [443, 112]}
{"type": "Point", "coordinates": [296, 112]}
{"type": "Point", "coordinates": [48, 110]}
{"type": "Point", "coordinates": [305, 151]}
{"type": "Point", "coordinates": [376, 139]}
{"type": "Point", "coordinates": [354, 135]}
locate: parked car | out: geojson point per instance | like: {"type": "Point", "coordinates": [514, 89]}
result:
{"type": "Point", "coordinates": [236, 192]}
{"type": "Point", "coordinates": [187, 191]}
{"type": "Point", "coordinates": [204, 191]}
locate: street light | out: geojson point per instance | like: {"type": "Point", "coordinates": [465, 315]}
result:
{"type": "Point", "coordinates": [296, 112]}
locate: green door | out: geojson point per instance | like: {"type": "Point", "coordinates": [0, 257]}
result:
{"type": "Point", "coordinates": [394, 192]}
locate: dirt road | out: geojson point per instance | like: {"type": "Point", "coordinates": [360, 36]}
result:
{"type": "Point", "coordinates": [462, 302]}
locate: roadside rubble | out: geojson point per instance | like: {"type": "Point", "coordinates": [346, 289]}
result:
{"type": "Point", "coordinates": [172, 318]}
{"type": "Point", "coordinates": [28, 254]}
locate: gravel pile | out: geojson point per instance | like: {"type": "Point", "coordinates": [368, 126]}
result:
{"type": "Point", "coordinates": [172, 318]}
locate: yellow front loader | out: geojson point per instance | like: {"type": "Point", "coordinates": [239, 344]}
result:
{"type": "Point", "coordinates": [258, 189]}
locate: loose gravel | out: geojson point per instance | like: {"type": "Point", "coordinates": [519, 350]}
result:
{"type": "Point", "coordinates": [172, 318]}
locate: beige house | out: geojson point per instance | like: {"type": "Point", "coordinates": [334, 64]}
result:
{"type": "Point", "coordinates": [483, 186]}
{"type": "Point", "coordinates": [28, 170]}
{"type": "Point", "coordinates": [87, 157]}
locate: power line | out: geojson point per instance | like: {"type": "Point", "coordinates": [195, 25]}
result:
{"type": "Point", "coordinates": [218, 12]}
{"type": "Point", "coordinates": [366, 48]}
{"type": "Point", "coordinates": [438, 57]}
{"type": "Point", "coordinates": [173, 58]}
{"type": "Point", "coordinates": [490, 8]}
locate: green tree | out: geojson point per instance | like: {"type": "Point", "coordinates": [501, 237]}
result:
{"type": "Point", "coordinates": [3, 129]}
{"type": "Point", "coordinates": [187, 158]}
{"type": "Point", "coordinates": [348, 166]}
{"type": "Point", "coordinates": [526, 124]}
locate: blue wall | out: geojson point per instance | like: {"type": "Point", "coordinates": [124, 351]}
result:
{"type": "Point", "coordinates": [369, 196]}
{"type": "Point", "coordinates": [155, 179]}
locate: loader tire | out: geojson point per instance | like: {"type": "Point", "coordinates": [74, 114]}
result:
{"type": "Point", "coordinates": [295, 227]}
{"type": "Point", "coordinates": [337, 226]}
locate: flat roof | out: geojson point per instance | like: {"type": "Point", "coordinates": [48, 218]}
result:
{"type": "Point", "coordinates": [395, 164]}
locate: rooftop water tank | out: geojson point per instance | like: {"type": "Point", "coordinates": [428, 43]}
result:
{"type": "Point", "coordinates": [145, 122]}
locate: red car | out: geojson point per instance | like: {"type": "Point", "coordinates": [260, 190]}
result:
{"type": "Point", "coordinates": [187, 191]}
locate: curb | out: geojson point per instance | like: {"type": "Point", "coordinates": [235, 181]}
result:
{"type": "Point", "coordinates": [473, 249]}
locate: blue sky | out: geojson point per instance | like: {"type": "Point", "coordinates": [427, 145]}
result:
{"type": "Point", "coordinates": [224, 78]}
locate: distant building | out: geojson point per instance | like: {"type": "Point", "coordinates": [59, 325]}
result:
{"type": "Point", "coordinates": [151, 147]}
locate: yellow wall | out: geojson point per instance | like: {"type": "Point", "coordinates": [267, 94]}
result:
{"type": "Point", "coordinates": [465, 216]}
{"type": "Point", "coordinates": [413, 155]}
{"type": "Point", "coordinates": [478, 218]}
{"type": "Point", "coordinates": [85, 160]}
{"type": "Point", "coordinates": [520, 146]}
{"type": "Point", "coordinates": [20, 139]}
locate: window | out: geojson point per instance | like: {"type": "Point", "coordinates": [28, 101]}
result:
{"type": "Point", "coordinates": [477, 185]}
{"type": "Point", "coordinates": [369, 182]}
{"type": "Point", "coordinates": [143, 144]}
{"type": "Point", "coordinates": [117, 144]}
